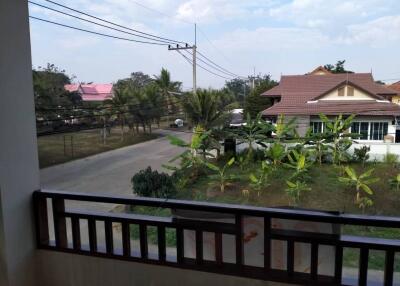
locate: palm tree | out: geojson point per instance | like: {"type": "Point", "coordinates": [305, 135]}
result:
{"type": "Point", "coordinates": [203, 109]}
{"type": "Point", "coordinates": [166, 86]}
{"type": "Point", "coordinates": [118, 106]}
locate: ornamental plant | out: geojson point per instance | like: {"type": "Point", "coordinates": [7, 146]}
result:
{"type": "Point", "coordinates": [275, 153]}
{"type": "Point", "coordinates": [295, 189]}
{"type": "Point", "coordinates": [395, 182]}
{"type": "Point", "coordinates": [259, 179]}
{"type": "Point", "coordinates": [221, 173]}
{"type": "Point", "coordinates": [360, 183]}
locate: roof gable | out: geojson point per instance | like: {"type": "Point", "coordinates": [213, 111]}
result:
{"type": "Point", "coordinates": [320, 71]}
{"type": "Point", "coordinates": [345, 84]}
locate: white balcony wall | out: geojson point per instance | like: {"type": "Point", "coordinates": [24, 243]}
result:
{"type": "Point", "coordinates": [19, 169]}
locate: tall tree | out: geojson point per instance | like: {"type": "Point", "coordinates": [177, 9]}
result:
{"type": "Point", "coordinates": [255, 103]}
{"type": "Point", "coordinates": [136, 79]}
{"type": "Point", "coordinates": [166, 86]}
{"type": "Point", "coordinates": [203, 108]}
{"type": "Point", "coordinates": [337, 68]}
{"type": "Point", "coordinates": [239, 88]}
{"type": "Point", "coordinates": [50, 95]}
{"type": "Point", "coordinates": [118, 104]}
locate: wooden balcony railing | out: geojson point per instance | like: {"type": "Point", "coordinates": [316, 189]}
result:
{"type": "Point", "coordinates": [218, 265]}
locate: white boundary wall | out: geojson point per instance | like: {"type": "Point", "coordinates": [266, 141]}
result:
{"type": "Point", "coordinates": [377, 152]}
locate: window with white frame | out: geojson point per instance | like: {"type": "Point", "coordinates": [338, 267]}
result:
{"type": "Point", "coordinates": [360, 128]}
{"type": "Point", "coordinates": [316, 127]}
{"type": "Point", "coordinates": [378, 130]}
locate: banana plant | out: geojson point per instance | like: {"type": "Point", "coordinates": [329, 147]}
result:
{"type": "Point", "coordinates": [260, 179]}
{"type": "Point", "coordinates": [336, 132]}
{"type": "Point", "coordinates": [318, 146]}
{"type": "Point", "coordinates": [361, 184]}
{"type": "Point", "coordinates": [253, 132]}
{"type": "Point", "coordinates": [276, 153]}
{"type": "Point", "coordinates": [295, 189]}
{"type": "Point", "coordinates": [189, 159]}
{"type": "Point", "coordinates": [284, 130]}
{"type": "Point", "coordinates": [395, 182]}
{"type": "Point", "coordinates": [299, 163]}
{"type": "Point", "coordinates": [221, 174]}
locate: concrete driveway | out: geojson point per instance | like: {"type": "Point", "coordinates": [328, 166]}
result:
{"type": "Point", "coordinates": [111, 172]}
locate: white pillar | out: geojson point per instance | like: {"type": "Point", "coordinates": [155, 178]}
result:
{"type": "Point", "coordinates": [19, 172]}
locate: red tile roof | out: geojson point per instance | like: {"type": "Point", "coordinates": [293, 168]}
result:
{"type": "Point", "coordinates": [395, 86]}
{"type": "Point", "coordinates": [92, 92]}
{"type": "Point", "coordinates": [297, 91]}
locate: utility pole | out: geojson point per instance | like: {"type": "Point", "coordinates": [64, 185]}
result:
{"type": "Point", "coordinates": [194, 59]}
{"type": "Point", "coordinates": [254, 77]}
{"type": "Point", "coordinates": [193, 48]}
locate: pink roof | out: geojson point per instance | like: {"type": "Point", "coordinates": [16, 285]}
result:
{"type": "Point", "coordinates": [92, 92]}
{"type": "Point", "coordinates": [71, 87]}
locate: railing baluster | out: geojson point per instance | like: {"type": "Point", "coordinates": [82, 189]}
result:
{"type": "Point", "coordinates": [239, 239]}
{"type": "Point", "coordinates": [76, 233]}
{"type": "Point", "coordinates": [161, 243]}
{"type": "Point", "coordinates": [179, 245]}
{"type": "Point", "coordinates": [338, 264]}
{"type": "Point", "coordinates": [314, 261]}
{"type": "Point", "coordinates": [126, 239]}
{"type": "Point", "coordinates": [42, 222]}
{"type": "Point", "coordinates": [60, 226]}
{"type": "Point", "coordinates": [363, 271]}
{"type": "Point", "coordinates": [389, 268]}
{"type": "Point", "coordinates": [199, 247]}
{"type": "Point", "coordinates": [143, 241]}
{"type": "Point", "coordinates": [290, 257]}
{"type": "Point", "coordinates": [267, 243]}
{"type": "Point", "coordinates": [109, 237]}
{"type": "Point", "coordinates": [218, 248]}
{"type": "Point", "coordinates": [92, 235]}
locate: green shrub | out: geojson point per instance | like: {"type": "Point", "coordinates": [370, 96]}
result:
{"type": "Point", "coordinates": [361, 154]}
{"type": "Point", "coordinates": [149, 183]}
{"type": "Point", "coordinates": [391, 159]}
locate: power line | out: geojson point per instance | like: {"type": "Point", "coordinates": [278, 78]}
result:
{"type": "Point", "coordinates": [112, 23]}
{"type": "Point", "coordinates": [98, 24]}
{"type": "Point", "coordinates": [97, 33]}
{"type": "Point", "coordinates": [208, 65]}
{"type": "Point", "coordinates": [104, 107]}
{"type": "Point", "coordinates": [216, 66]}
{"type": "Point", "coordinates": [190, 62]}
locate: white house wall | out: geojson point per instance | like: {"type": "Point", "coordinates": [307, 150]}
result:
{"type": "Point", "coordinates": [358, 95]}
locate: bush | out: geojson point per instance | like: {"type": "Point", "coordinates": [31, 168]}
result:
{"type": "Point", "coordinates": [361, 154]}
{"type": "Point", "coordinates": [391, 159]}
{"type": "Point", "coordinates": [149, 183]}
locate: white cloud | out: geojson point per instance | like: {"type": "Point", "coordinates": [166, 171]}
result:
{"type": "Point", "coordinates": [379, 32]}
{"type": "Point", "coordinates": [335, 14]}
{"type": "Point", "coordinates": [266, 39]}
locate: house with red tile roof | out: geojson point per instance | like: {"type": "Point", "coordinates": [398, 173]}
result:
{"type": "Point", "coordinates": [92, 92]}
{"type": "Point", "coordinates": [307, 96]}
{"type": "Point", "coordinates": [395, 87]}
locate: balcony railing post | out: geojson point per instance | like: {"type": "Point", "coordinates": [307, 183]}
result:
{"type": "Point", "coordinates": [389, 268]}
{"type": "Point", "coordinates": [267, 243]}
{"type": "Point", "coordinates": [60, 226]}
{"type": "Point", "coordinates": [239, 239]}
{"type": "Point", "coordinates": [42, 222]}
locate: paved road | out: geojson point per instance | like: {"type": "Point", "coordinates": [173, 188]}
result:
{"type": "Point", "coordinates": [110, 172]}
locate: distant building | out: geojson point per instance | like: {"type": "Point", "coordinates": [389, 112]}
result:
{"type": "Point", "coordinates": [395, 87]}
{"type": "Point", "coordinates": [92, 92]}
{"type": "Point", "coordinates": [306, 96]}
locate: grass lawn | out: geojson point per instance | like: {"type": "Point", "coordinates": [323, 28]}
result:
{"type": "Point", "coordinates": [81, 144]}
{"type": "Point", "coordinates": [327, 193]}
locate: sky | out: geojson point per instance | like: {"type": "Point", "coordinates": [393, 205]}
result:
{"type": "Point", "coordinates": [269, 36]}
